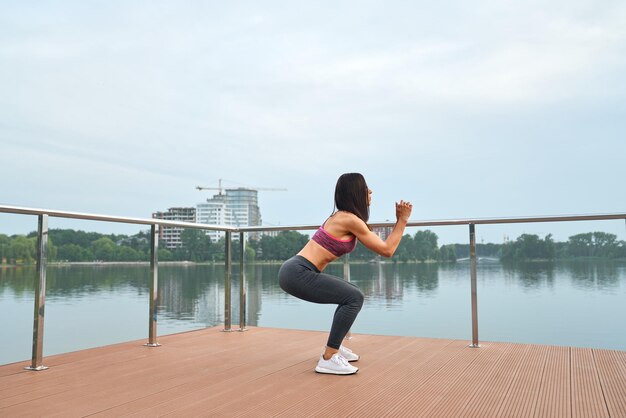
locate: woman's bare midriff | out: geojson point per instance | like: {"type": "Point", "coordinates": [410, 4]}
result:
{"type": "Point", "coordinates": [320, 257]}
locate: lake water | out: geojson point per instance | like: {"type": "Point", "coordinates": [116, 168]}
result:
{"type": "Point", "coordinates": [576, 303]}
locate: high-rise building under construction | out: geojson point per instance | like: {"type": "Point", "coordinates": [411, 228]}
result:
{"type": "Point", "coordinates": [171, 236]}
{"type": "Point", "coordinates": [235, 207]}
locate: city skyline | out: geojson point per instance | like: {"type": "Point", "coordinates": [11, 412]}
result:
{"type": "Point", "coordinates": [235, 207]}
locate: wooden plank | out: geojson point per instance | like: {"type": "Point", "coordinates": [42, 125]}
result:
{"type": "Point", "coordinates": [523, 392]}
{"type": "Point", "coordinates": [587, 396]}
{"type": "Point", "coordinates": [492, 389]}
{"type": "Point", "coordinates": [554, 394]}
{"type": "Point", "coordinates": [611, 368]}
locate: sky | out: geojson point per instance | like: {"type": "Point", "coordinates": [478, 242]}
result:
{"type": "Point", "coordinates": [467, 109]}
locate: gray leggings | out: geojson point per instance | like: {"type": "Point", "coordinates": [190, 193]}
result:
{"type": "Point", "coordinates": [300, 278]}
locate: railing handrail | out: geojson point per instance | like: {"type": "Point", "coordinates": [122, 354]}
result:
{"type": "Point", "coordinates": [110, 218]}
{"type": "Point", "coordinates": [260, 228]}
{"type": "Point", "coordinates": [445, 222]}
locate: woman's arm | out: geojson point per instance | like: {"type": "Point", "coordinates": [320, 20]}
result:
{"type": "Point", "coordinates": [372, 241]}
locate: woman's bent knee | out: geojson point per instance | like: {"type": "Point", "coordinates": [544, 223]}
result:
{"type": "Point", "coordinates": [357, 298]}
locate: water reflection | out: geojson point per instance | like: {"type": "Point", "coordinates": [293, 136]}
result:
{"type": "Point", "coordinates": [584, 274]}
{"type": "Point", "coordinates": [530, 275]}
{"type": "Point", "coordinates": [190, 293]}
{"type": "Point", "coordinates": [601, 275]}
{"type": "Point", "coordinates": [74, 281]}
{"type": "Point", "coordinates": [197, 291]}
{"type": "Point", "coordinates": [193, 295]}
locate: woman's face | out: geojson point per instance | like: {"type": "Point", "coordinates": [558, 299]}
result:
{"type": "Point", "coordinates": [369, 196]}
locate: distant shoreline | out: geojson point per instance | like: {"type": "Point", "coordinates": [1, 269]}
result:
{"type": "Point", "coordinates": [277, 262]}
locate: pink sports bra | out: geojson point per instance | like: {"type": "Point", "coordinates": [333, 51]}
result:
{"type": "Point", "coordinates": [335, 246]}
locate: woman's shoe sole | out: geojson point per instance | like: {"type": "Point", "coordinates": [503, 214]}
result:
{"type": "Point", "coordinates": [328, 371]}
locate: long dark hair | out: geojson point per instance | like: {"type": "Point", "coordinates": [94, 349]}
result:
{"type": "Point", "coordinates": [351, 194]}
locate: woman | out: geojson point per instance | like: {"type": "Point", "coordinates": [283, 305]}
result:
{"type": "Point", "coordinates": [302, 277]}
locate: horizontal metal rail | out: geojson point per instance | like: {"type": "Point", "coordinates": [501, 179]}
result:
{"type": "Point", "coordinates": [450, 222]}
{"type": "Point", "coordinates": [443, 222]}
{"type": "Point", "coordinates": [108, 218]}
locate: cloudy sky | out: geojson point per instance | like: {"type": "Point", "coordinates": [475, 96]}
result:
{"type": "Point", "coordinates": [468, 109]}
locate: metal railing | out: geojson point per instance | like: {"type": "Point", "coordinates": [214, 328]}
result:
{"type": "Point", "coordinates": [155, 224]}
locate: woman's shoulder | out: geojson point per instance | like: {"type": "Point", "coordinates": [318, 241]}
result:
{"type": "Point", "coordinates": [347, 219]}
{"type": "Point", "coordinates": [343, 215]}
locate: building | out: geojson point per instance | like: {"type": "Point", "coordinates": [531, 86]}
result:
{"type": "Point", "coordinates": [171, 236]}
{"type": "Point", "coordinates": [236, 207]}
{"type": "Point", "coordinates": [382, 231]}
{"type": "Point", "coordinates": [244, 206]}
{"type": "Point", "coordinates": [214, 212]}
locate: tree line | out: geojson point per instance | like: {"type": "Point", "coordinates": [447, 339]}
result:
{"type": "Point", "coordinates": [79, 246]}
{"type": "Point", "coordinates": [589, 245]}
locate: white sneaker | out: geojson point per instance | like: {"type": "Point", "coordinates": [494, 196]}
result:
{"type": "Point", "coordinates": [335, 365]}
{"type": "Point", "coordinates": [348, 354]}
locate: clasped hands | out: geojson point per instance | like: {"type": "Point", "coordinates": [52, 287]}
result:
{"type": "Point", "coordinates": [403, 210]}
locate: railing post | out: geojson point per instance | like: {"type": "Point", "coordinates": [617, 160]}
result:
{"type": "Point", "coordinates": [40, 294]}
{"type": "Point", "coordinates": [242, 283]}
{"type": "Point", "coordinates": [154, 286]}
{"type": "Point", "coordinates": [346, 277]}
{"type": "Point", "coordinates": [472, 232]}
{"type": "Point", "coordinates": [227, 278]}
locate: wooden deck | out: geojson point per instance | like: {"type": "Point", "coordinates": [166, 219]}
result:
{"type": "Point", "coordinates": [269, 372]}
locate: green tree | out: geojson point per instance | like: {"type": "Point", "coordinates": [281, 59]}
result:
{"type": "Point", "coordinates": [139, 242]}
{"type": "Point", "coordinates": [196, 245]}
{"type": "Point", "coordinates": [165, 255]}
{"type": "Point", "coordinates": [447, 253]}
{"type": "Point", "coordinates": [23, 249]}
{"type": "Point", "coordinates": [283, 246]}
{"type": "Point", "coordinates": [581, 245]}
{"type": "Point", "coordinates": [5, 248]}
{"type": "Point", "coordinates": [406, 249]}
{"type": "Point", "coordinates": [604, 244]}
{"type": "Point", "coordinates": [362, 253]}
{"type": "Point", "coordinates": [620, 249]}
{"type": "Point", "coordinates": [594, 244]}
{"type": "Point", "coordinates": [52, 250]}
{"type": "Point", "coordinates": [104, 249]}
{"type": "Point", "coordinates": [70, 236]}
{"type": "Point", "coordinates": [250, 253]}
{"type": "Point", "coordinates": [528, 247]}
{"type": "Point", "coordinates": [124, 253]}
{"type": "Point", "coordinates": [426, 247]}
{"type": "Point", "coordinates": [73, 252]}
{"type": "Point", "coordinates": [218, 250]}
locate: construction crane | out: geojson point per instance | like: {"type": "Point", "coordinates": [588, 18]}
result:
{"type": "Point", "coordinates": [219, 188]}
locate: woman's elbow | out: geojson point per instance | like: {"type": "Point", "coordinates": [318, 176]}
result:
{"type": "Point", "coordinates": [387, 253]}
